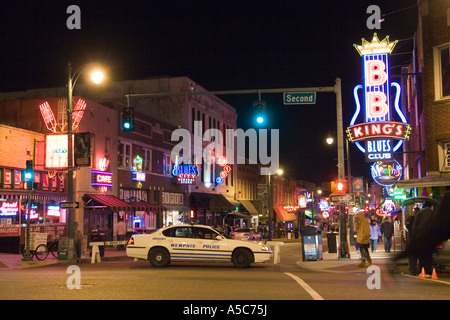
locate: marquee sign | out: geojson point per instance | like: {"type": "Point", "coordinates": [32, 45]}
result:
{"type": "Point", "coordinates": [378, 122]}
{"type": "Point", "coordinates": [101, 178]}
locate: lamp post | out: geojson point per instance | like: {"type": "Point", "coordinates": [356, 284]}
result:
{"type": "Point", "coordinates": [97, 77]}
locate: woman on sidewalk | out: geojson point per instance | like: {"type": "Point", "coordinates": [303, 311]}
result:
{"type": "Point", "coordinates": [375, 234]}
{"type": "Point", "coordinates": [363, 239]}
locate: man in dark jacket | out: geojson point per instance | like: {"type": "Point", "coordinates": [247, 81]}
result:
{"type": "Point", "coordinates": [387, 229]}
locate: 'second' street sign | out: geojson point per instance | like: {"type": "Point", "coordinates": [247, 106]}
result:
{"type": "Point", "coordinates": [69, 205]}
{"type": "Point", "coordinates": [294, 98]}
{"type": "Point", "coordinates": [340, 198]}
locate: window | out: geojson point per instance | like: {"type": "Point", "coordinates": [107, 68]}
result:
{"type": "Point", "coordinates": [204, 233]}
{"type": "Point", "coordinates": [179, 232]}
{"type": "Point", "coordinates": [124, 160]}
{"type": "Point", "coordinates": [167, 165]}
{"type": "Point", "coordinates": [444, 155]}
{"type": "Point", "coordinates": [442, 71]}
{"type": "Point", "coordinates": [146, 165]}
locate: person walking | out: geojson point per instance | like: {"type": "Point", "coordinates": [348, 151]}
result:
{"type": "Point", "coordinates": [121, 231]}
{"type": "Point", "coordinates": [363, 239]}
{"type": "Point", "coordinates": [375, 234]}
{"type": "Point", "coordinates": [387, 229]}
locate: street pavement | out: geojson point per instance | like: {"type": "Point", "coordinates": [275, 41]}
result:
{"type": "Point", "coordinates": [290, 254]}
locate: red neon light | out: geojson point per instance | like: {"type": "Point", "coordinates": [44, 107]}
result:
{"type": "Point", "coordinates": [390, 129]}
{"type": "Point", "coordinates": [78, 112]}
{"type": "Point", "coordinates": [48, 116]}
{"type": "Point", "coordinates": [375, 75]}
{"type": "Point", "coordinates": [104, 178]}
{"type": "Point", "coordinates": [376, 103]}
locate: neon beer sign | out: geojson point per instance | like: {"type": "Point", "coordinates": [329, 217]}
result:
{"type": "Point", "coordinates": [379, 119]}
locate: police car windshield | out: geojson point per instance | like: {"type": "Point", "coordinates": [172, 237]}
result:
{"type": "Point", "coordinates": [223, 234]}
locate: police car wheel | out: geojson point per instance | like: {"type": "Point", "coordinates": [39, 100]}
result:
{"type": "Point", "coordinates": [242, 258]}
{"type": "Point", "coordinates": [159, 257]}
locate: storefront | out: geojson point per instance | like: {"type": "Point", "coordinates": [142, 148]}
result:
{"type": "Point", "coordinates": [45, 215]}
{"type": "Point", "coordinates": [175, 210]}
{"type": "Point", "coordinates": [209, 208]}
{"type": "Point", "coordinates": [253, 208]}
{"type": "Point", "coordinates": [101, 213]}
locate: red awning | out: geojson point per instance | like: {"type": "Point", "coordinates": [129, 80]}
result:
{"type": "Point", "coordinates": [110, 202]}
{"type": "Point", "coordinates": [144, 206]}
{"type": "Point", "coordinates": [284, 215]}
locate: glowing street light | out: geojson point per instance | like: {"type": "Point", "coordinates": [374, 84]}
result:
{"type": "Point", "coordinates": [96, 77]}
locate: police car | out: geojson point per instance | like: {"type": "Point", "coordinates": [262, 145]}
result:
{"type": "Point", "coordinates": [195, 243]}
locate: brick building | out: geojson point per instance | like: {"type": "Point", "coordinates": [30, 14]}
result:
{"type": "Point", "coordinates": [427, 156]}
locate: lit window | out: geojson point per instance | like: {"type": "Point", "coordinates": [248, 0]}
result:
{"type": "Point", "coordinates": [442, 71]}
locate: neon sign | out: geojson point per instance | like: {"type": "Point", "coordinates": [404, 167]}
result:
{"type": "Point", "coordinates": [53, 211]}
{"type": "Point", "coordinates": [386, 173]}
{"type": "Point", "coordinates": [185, 173]}
{"type": "Point", "coordinates": [378, 119]}
{"type": "Point", "coordinates": [101, 178]}
{"type": "Point", "coordinates": [223, 162]}
{"type": "Point", "coordinates": [9, 208]}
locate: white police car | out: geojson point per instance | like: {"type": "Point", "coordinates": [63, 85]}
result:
{"type": "Point", "coordinates": [195, 243]}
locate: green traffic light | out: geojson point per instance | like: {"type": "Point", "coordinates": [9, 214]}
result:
{"type": "Point", "coordinates": [260, 119]}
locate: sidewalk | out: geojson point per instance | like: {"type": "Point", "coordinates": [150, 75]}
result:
{"type": "Point", "coordinates": [290, 254]}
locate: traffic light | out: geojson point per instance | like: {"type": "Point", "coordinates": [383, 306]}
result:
{"type": "Point", "coordinates": [341, 186]}
{"type": "Point", "coordinates": [128, 119]}
{"type": "Point", "coordinates": [260, 111]}
{"type": "Point", "coordinates": [29, 174]}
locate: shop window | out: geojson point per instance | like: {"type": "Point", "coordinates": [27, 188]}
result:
{"type": "Point", "coordinates": [442, 71]}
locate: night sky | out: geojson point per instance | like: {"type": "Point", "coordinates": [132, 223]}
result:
{"type": "Point", "coordinates": [221, 45]}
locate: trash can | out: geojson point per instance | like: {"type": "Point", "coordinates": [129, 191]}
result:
{"type": "Point", "coordinates": [312, 243]}
{"type": "Point", "coordinates": [332, 241]}
{"type": "Point", "coordinates": [98, 236]}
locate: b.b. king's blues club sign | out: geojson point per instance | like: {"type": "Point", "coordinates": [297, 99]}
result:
{"type": "Point", "coordinates": [380, 131]}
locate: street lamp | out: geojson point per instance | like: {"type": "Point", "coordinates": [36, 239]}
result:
{"type": "Point", "coordinates": [97, 77]}
{"type": "Point", "coordinates": [269, 202]}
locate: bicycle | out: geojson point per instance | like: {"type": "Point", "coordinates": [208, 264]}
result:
{"type": "Point", "coordinates": [42, 251]}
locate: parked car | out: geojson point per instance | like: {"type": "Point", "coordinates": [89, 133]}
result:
{"type": "Point", "coordinates": [245, 234]}
{"type": "Point", "coordinates": [197, 243]}
{"type": "Point", "coordinates": [442, 256]}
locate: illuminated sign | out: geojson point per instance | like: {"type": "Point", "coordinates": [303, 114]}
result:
{"type": "Point", "coordinates": [101, 178]}
{"type": "Point", "coordinates": [386, 173]}
{"type": "Point", "coordinates": [53, 211]}
{"type": "Point", "coordinates": [378, 149]}
{"type": "Point", "coordinates": [378, 120]}
{"type": "Point", "coordinates": [185, 173]}
{"type": "Point", "coordinates": [56, 151]}
{"type": "Point", "coordinates": [49, 117]}
{"type": "Point", "coordinates": [138, 176]}
{"type": "Point", "coordinates": [291, 208]}
{"type": "Point", "coordinates": [103, 164]}
{"type": "Point", "coordinates": [223, 162]}
{"type": "Point", "coordinates": [9, 208]}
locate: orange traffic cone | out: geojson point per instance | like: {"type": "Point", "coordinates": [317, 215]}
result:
{"type": "Point", "coordinates": [434, 275]}
{"type": "Point", "coordinates": [422, 274]}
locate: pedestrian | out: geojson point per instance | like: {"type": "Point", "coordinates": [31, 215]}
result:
{"type": "Point", "coordinates": [375, 234]}
{"type": "Point", "coordinates": [121, 231]}
{"type": "Point", "coordinates": [387, 229]}
{"type": "Point", "coordinates": [425, 253]}
{"type": "Point", "coordinates": [363, 239]}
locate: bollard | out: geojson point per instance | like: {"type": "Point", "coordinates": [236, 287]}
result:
{"type": "Point", "coordinates": [276, 251]}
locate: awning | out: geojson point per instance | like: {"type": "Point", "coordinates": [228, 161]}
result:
{"type": "Point", "coordinates": [252, 206]}
{"type": "Point", "coordinates": [284, 215]}
{"type": "Point", "coordinates": [428, 181]}
{"type": "Point", "coordinates": [210, 201]}
{"type": "Point", "coordinates": [144, 206]}
{"type": "Point", "coordinates": [96, 201]}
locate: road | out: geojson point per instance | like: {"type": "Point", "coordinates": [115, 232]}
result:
{"type": "Point", "coordinates": [129, 280]}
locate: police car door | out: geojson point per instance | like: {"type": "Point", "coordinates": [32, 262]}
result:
{"type": "Point", "coordinates": [209, 247]}
{"type": "Point", "coordinates": [182, 243]}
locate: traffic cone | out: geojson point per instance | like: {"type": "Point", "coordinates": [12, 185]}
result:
{"type": "Point", "coordinates": [434, 275]}
{"type": "Point", "coordinates": [422, 274]}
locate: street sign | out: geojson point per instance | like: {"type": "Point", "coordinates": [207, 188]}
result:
{"type": "Point", "coordinates": [69, 205]}
{"type": "Point", "coordinates": [295, 98]}
{"type": "Point", "coordinates": [340, 198]}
